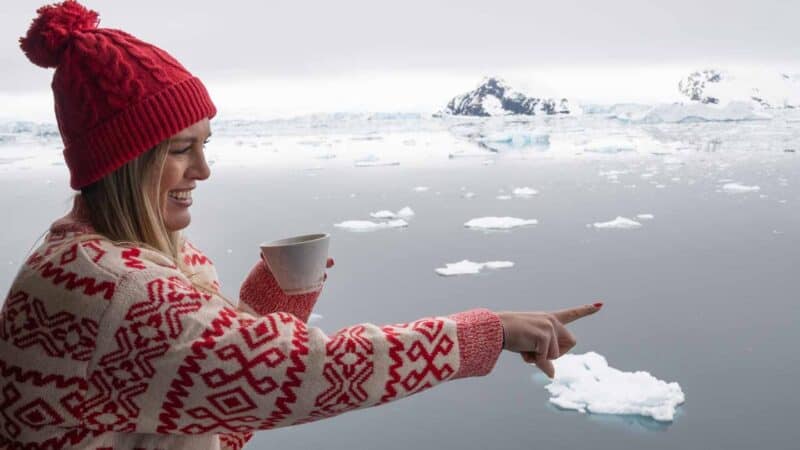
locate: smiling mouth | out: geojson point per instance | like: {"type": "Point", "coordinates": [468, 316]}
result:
{"type": "Point", "coordinates": [183, 198]}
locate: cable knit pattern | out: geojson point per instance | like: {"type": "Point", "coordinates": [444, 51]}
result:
{"type": "Point", "coordinates": [112, 347]}
{"type": "Point", "coordinates": [115, 95]}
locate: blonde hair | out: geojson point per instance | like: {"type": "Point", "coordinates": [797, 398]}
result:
{"type": "Point", "coordinates": [121, 205]}
{"type": "Point", "coordinates": [123, 208]}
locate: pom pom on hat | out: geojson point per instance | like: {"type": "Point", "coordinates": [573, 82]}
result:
{"type": "Point", "coordinates": [51, 29]}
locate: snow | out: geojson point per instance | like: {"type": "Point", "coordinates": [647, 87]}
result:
{"type": "Point", "coordinates": [622, 223]}
{"type": "Point", "coordinates": [499, 223]}
{"type": "Point", "coordinates": [386, 214]}
{"type": "Point", "coordinates": [737, 188]}
{"type": "Point", "coordinates": [586, 383]}
{"type": "Point", "coordinates": [645, 216]}
{"type": "Point", "coordinates": [467, 267]}
{"type": "Point", "coordinates": [493, 106]}
{"type": "Point", "coordinates": [368, 225]}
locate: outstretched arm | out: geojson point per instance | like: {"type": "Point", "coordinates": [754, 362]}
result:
{"type": "Point", "coordinates": [171, 359]}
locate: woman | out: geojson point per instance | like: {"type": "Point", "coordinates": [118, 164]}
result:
{"type": "Point", "coordinates": [115, 333]}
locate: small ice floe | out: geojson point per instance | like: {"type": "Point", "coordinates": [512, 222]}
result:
{"type": "Point", "coordinates": [660, 186]}
{"type": "Point", "coordinates": [468, 194]}
{"type": "Point", "coordinates": [467, 267]}
{"type": "Point", "coordinates": [645, 216]}
{"type": "Point", "coordinates": [737, 188]}
{"type": "Point", "coordinates": [586, 383]}
{"type": "Point", "coordinates": [524, 192]}
{"type": "Point", "coordinates": [314, 318]}
{"type": "Point", "coordinates": [503, 197]}
{"type": "Point", "coordinates": [622, 223]}
{"type": "Point", "coordinates": [376, 163]}
{"type": "Point", "coordinates": [499, 223]}
{"type": "Point", "coordinates": [612, 175]}
{"type": "Point", "coordinates": [647, 175]}
{"type": "Point", "coordinates": [725, 180]}
{"type": "Point", "coordinates": [421, 188]}
{"type": "Point", "coordinates": [229, 251]}
{"type": "Point", "coordinates": [386, 214]}
{"type": "Point", "coordinates": [368, 225]}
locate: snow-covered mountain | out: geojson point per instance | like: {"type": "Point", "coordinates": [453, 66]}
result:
{"type": "Point", "coordinates": [493, 97]}
{"type": "Point", "coordinates": [763, 90]}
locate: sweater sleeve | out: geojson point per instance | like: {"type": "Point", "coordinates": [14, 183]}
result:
{"type": "Point", "coordinates": [172, 359]}
{"type": "Point", "coordinates": [260, 295]}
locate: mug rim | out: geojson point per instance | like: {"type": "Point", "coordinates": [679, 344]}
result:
{"type": "Point", "coordinates": [312, 237]}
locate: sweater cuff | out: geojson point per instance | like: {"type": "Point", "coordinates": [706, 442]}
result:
{"type": "Point", "coordinates": [480, 341]}
{"type": "Point", "coordinates": [261, 294]}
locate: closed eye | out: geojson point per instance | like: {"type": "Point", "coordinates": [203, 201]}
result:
{"type": "Point", "coordinates": [184, 150]}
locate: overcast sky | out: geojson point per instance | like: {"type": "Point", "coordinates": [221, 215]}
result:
{"type": "Point", "coordinates": [324, 45]}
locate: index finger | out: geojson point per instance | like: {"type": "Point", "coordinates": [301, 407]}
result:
{"type": "Point", "coordinates": [566, 316]}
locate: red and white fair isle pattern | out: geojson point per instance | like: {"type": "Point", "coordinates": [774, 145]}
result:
{"type": "Point", "coordinates": [101, 347]}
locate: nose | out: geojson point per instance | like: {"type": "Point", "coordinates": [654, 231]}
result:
{"type": "Point", "coordinates": [199, 169]}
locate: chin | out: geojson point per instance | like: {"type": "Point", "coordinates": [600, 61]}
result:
{"type": "Point", "coordinates": [177, 223]}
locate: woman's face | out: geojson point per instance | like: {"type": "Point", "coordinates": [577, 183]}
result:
{"type": "Point", "coordinates": [185, 165]}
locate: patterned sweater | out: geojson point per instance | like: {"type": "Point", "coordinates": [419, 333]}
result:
{"type": "Point", "coordinates": [105, 346]}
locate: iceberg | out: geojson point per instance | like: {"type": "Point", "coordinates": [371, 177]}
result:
{"type": "Point", "coordinates": [737, 188]}
{"type": "Point", "coordinates": [622, 223]}
{"type": "Point", "coordinates": [368, 225]}
{"type": "Point", "coordinates": [586, 383]}
{"type": "Point", "coordinates": [467, 267]}
{"type": "Point", "coordinates": [499, 223]}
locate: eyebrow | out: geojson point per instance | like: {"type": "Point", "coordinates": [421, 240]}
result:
{"type": "Point", "coordinates": [188, 139]}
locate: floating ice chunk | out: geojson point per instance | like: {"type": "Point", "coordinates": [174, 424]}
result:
{"type": "Point", "coordinates": [524, 192]}
{"type": "Point", "coordinates": [660, 186]}
{"type": "Point", "coordinates": [468, 194]}
{"type": "Point", "coordinates": [645, 216]}
{"type": "Point", "coordinates": [503, 197]}
{"type": "Point", "coordinates": [367, 163]}
{"type": "Point", "coordinates": [586, 383]}
{"type": "Point", "coordinates": [622, 223]}
{"type": "Point", "coordinates": [421, 188]}
{"type": "Point", "coordinates": [467, 267]}
{"type": "Point", "coordinates": [499, 223]}
{"type": "Point", "coordinates": [406, 212]}
{"type": "Point", "coordinates": [368, 225]}
{"type": "Point", "coordinates": [736, 188]}
{"type": "Point", "coordinates": [386, 214]}
{"type": "Point", "coordinates": [314, 318]}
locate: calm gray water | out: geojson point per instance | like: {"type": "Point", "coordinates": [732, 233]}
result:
{"type": "Point", "coordinates": [706, 294]}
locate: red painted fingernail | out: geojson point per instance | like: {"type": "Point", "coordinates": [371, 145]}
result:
{"type": "Point", "coordinates": [598, 304]}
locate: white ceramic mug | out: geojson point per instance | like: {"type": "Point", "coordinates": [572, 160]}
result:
{"type": "Point", "coordinates": [298, 262]}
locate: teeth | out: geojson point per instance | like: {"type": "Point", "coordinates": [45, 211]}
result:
{"type": "Point", "coordinates": [181, 195]}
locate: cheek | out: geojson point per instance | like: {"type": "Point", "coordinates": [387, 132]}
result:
{"type": "Point", "coordinates": [170, 177]}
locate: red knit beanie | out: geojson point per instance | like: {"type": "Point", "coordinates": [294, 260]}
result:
{"type": "Point", "coordinates": [115, 96]}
